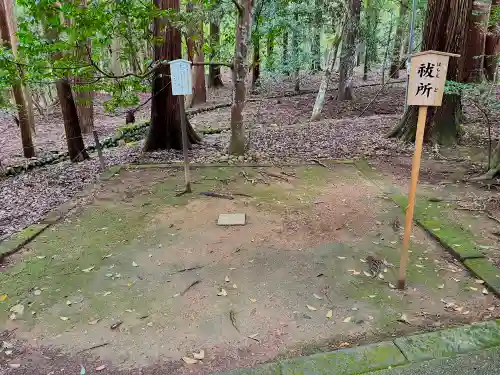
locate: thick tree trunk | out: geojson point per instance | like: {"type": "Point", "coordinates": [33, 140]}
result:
{"type": "Point", "coordinates": [284, 56]}
{"type": "Point", "coordinates": [214, 76]}
{"type": "Point", "coordinates": [320, 98]}
{"type": "Point", "coordinates": [74, 139]}
{"type": "Point", "coordinates": [256, 59]}
{"type": "Point", "coordinates": [347, 55]}
{"type": "Point", "coordinates": [243, 31]}
{"type": "Point", "coordinates": [316, 37]}
{"type": "Point", "coordinates": [398, 39]}
{"type": "Point", "coordinates": [476, 41]}
{"type": "Point", "coordinates": [84, 102]}
{"type": "Point", "coordinates": [492, 45]}
{"type": "Point", "coordinates": [23, 114]}
{"type": "Point", "coordinates": [165, 130]}
{"type": "Point", "coordinates": [116, 66]}
{"type": "Point", "coordinates": [445, 30]}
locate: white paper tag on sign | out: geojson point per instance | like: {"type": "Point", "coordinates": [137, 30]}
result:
{"type": "Point", "coordinates": [182, 82]}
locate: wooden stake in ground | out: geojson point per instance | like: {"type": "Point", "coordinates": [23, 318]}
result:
{"type": "Point", "coordinates": [182, 84]}
{"type": "Point", "coordinates": [425, 88]}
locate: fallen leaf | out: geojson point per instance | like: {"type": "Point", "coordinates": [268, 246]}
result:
{"type": "Point", "coordinates": [116, 325]}
{"type": "Point", "coordinates": [485, 291]}
{"type": "Point", "coordinates": [134, 264]}
{"type": "Point", "coordinates": [367, 274]}
{"type": "Point", "coordinates": [370, 317]}
{"type": "Point", "coordinates": [380, 276]}
{"type": "Point", "coordinates": [473, 289]}
{"type": "Point", "coordinates": [199, 355]}
{"type": "Point", "coordinates": [87, 270]}
{"type": "Point", "coordinates": [440, 286]}
{"type": "Point", "coordinates": [362, 260]}
{"type": "Point", "coordinates": [344, 345]}
{"type": "Point", "coordinates": [235, 286]}
{"type": "Point", "coordinates": [341, 258]}
{"type": "Point", "coordinates": [317, 297]}
{"type": "Point", "coordinates": [252, 300]}
{"type": "Point", "coordinates": [222, 292]}
{"type": "Point", "coordinates": [14, 365]}
{"type": "Point", "coordinates": [253, 335]}
{"type": "Point", "coordinates": [17, 309]}
{"type": "Point", "coordinates": [106, 294]}
{"type": "Point", "coordinates": [69, 303]}
{"type": "Point", "coordinates": [107, 256]}
{"type": "Point", "coordinates": [479, 281]}
{"type": "Point", "coordinates": [329, 314]}
{"type": "Point", "coordinates": [459, 308]}
{"type": "Point", "coordinates": [419, 266]}
{"type": "Point", "coordinates": [466, 312]}
{"type": "Point", "coordinates": [82, 370]}
{"type": "Point", "coordinates": [93, 322]}
{"type": "Point", "coordinates": [348, 319]}
{"type": "Point", "coordinates": [232, 268]}
{"type": "Point", "coordinates": [491, 308]}
{"type": "Point", "coordinates": [40, 256]}
{"type": "Point", "coordinates": [312, 308]}
{"type": "Point", "coordinates": [100, 368]}
{"type": "Point", "coordinates": [3, 297]}
{"type": "Point", "coordinates": [64, 318]}
{"type": "Point", "coordinates": [226, 279]}
{"type": "Point", "coordinates": [392, 286]}
{"type": "Point", "coordinates": [189, 361]}
{"type": "Point", "coordinates": [37, 292]}
{"type": "Point", "coordinates": [403, 319]}
{"type": "Point", "coordinates": [372, 296]}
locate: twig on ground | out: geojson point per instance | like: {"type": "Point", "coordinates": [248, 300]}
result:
{"type": "Point", "coordinates": [232, 316]}
{"type": "Point", "coordinates": [181, 193]}
{"type": "Point", "coordinates": [190, 286]}
{"type": "Point", "coordinates": [319, 163]}
{"type": "Point", "coordinates": [216, 195]}
{"type": "Point", "coordinates": [243, 195]}
{"type": "Point", "coordinates": [187, 269]}
{"type": "Point", "coordinates": [94, 347]}
{"type": "Point", "coordinates": [275, 175]}
{"type": "Point", "coordinates": [493, 218]}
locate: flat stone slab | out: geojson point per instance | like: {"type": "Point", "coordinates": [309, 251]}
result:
{"type": "Point", "coordinates": [487, 271]}
{"type": "Point", "coordinates": [346, 362]}
{"type": "Point", "coordinates": [450, 342]}
{"type": "Point", "coordinates": [267, 369]}
{"type": "Point", "coordinates": [231, 219]}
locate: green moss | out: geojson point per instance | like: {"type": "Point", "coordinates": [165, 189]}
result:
{"type": "Point", "coordinates": [19, 239]}
{"type": "Point", "coordinates": [433, 218]}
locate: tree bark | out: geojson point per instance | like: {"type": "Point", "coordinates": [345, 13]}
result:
{"type": "Point", "coordinates": [347, 55]}
{"type": "Point", "coordinates": [116, 66]}
{"type": "Point", "coordinates": [165, 130]}
{"type": "Point", "coordinates": [199, 87]}
{"type": "Point", "coordinates": [332, 57]}
{"type": "Point", "coordinates": [284, 56]}
{"type": "Point", "coordinates": [256, 57]}
{"type": "Point", "coordinates": [296, 53]}
{"type": "Point", "coordinates": [398, 39]}
{"type": "Point", "coordinates": [476, 41]}
{"type": "Point", "coordinates": [270, 51]}
{"type": "Point", "coordinates": [371, 21]}
{"type": "Point", "coordinates": [74, 138]}
{"type": "Point", "coordinates": [445, 30]}
{"type": "Point", "coordinates": [214, 76]}
{"type": "Point", "coordinates": [316, 37]}
{"type": "Point", "coordinates": [23, 114]}
{"type": "Point", "coordinates": [492, 45]}
{"type": "Point", "coordinates": [243, 31]}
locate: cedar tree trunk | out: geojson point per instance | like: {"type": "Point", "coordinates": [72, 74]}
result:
{"type": "Point", "coordinates": [316, 37]}
{"type": "Point", "coordinates": [214, 76]}
{"type": "Point", "coordinates": [284, 56]}
{"type": "Point", "coordinates": [348, 51]}
{"type": "Point", "coordinates": [492, 48]}
{"type": "Point", "coordinates": [398, 39]}
{"type": "Point", "coordinates": [445, 30]}
{"type": "Point", "coordinates": [243, 31]}
{"type": "Point", "coordinates": [476, 41]}
{"type": "Point", "coordinates": [165, 130]}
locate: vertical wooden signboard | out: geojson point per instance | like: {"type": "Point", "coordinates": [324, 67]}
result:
{"type": "Point", "coordinates": [425, 89]}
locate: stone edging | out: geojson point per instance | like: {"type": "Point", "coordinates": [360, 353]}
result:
{"type": "Point", "coordinates": [399, 352]}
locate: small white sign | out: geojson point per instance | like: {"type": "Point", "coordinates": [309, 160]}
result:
{"type": "Point", "coordinates": [182, 82]}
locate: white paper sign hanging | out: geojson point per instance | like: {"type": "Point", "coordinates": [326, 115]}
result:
{"type": "Point", "coordinates": [182, 82]}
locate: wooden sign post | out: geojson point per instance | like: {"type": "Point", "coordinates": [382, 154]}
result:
{"type": "Point", "coordinates": [182, 84]}
{"type": "Point", "coordinates": [425, 89]}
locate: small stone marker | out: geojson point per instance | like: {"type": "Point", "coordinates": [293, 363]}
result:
{"type": "Point", "coordinates": [231, 219]}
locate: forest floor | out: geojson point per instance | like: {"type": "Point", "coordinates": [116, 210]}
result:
{"type": "Point", "coordinates": [296, 231]}
{"type": "Point", "coordinates": [150, 274]}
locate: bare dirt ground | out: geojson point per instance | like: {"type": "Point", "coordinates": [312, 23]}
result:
{"type": "Point", "coordinates": [294, 278]}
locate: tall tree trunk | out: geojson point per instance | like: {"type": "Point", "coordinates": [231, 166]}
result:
{"type": "Point", "coordinates": [371, 21]}
{"type": "Point", "coordinates": [256, 56]}
{"type": "Point", "coordinates": [214, 76]}
{"type": "Point", "coordinates": [74, 138]}
{"type": "Point", "coordinates": [476, 41]}
{"type": "Point", "coordinates": [116, 66]}
{"type": "Point", "coordinates": [492, 47]}
{"type": "Point", "coordinates": [296, 53]}
{"type": "Point", "coordinates": [270, 51]}
{"type": "Point", "coordinates": [316, 37]}
{"type": "Point", "coordinates": [165, 129]}
{"type": "Point", "coordinates": [284, 57]}
{"type": "Point", "coordinates": [445, 30]}
{"type": "Point", "coordinates": [243, 31]}
{"type": "Point", "coordinates": [24, 124]}
{"type": "Point", "coordinates": [332, 57]}
{"type": "Point", "coordinates": [199, 87]}
{"type": "Point", "coordinates": [348, 51]}
{"type": "Point", "coordinates": [398, 39]}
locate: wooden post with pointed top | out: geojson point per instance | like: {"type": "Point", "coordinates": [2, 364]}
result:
{"type": "Point", "coordinates": [425, 89]}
